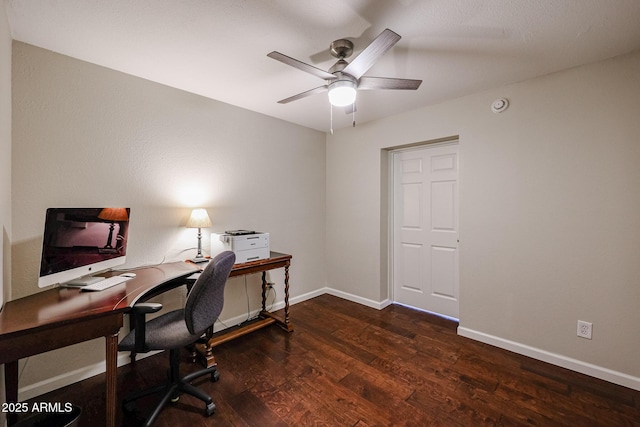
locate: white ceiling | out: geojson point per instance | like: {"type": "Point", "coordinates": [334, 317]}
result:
{"type": "Point", "coordinates": [218, 48]}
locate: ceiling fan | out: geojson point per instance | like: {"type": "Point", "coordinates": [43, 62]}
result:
{"type": "Point", "coordinates": [344, 79]}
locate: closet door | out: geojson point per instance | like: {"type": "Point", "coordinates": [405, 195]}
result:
{"type": "Point", "coordinates": [425, 229]}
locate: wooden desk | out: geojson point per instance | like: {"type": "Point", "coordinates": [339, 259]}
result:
{"type": "Point", "coordinates": [60, 317]}
{"type": "Point", "coordinates": [265, 318]}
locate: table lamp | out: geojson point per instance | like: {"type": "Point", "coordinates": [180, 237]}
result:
{"type": "Point", "coordinates": [199, 219]}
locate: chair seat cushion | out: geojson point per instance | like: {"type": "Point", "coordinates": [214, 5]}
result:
{"type": "Point", "coordinates": [163, 332]}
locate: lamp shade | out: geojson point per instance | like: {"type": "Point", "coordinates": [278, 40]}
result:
{"type": "Point", "coordinates": [114, 214]}
{"type": "Point", "coordinates": [199, 219]}
{"type": "Point", "coordinates": [342, 93]}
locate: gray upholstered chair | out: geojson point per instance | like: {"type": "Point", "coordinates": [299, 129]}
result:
{"type": "Point", "coordinates": [179, 328]}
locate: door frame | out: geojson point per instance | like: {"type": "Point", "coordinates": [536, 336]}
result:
{"type": "Point", "coordinates": [390, 209]}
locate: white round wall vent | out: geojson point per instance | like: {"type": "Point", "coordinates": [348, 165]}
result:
{"type": "Point", "coordinates": [499, 105]}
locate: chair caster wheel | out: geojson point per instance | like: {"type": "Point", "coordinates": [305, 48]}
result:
{"type": "Point", "coordinates": [215, 376]}
{"type": "Point", "coordinates": [210, 409]}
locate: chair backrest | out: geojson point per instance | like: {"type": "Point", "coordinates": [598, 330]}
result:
{"type": "Point", "coordinates": [206, 298]}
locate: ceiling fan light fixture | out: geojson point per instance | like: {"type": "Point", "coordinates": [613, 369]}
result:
{"type": "Point", "coordinates": [342, 93]}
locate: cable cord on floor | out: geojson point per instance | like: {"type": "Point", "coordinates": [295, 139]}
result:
{"type": "Point", "coordinates": [273, 301]}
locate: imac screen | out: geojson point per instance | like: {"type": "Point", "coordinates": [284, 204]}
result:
{"type": "Point", "coordinates": [82, 241]}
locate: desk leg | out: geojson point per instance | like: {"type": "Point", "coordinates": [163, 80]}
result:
{"type": "Point", "coordinates": [111, 342]}
{"type": "Point", "coordinates": [11, 388]}
{"type": "Point", "coordinates": [264, 291]}
{"type": "Point", "coordinates": [286, 298]}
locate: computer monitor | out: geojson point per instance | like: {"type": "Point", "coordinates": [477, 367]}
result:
{"type": "Point", "coordinates": [80, 242]}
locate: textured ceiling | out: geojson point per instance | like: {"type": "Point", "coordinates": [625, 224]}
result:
{"type": "Point", "coordinates": [218, 48]}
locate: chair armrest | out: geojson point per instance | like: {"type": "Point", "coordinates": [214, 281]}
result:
{"type": "Point", "coordinates": [146, 307]}
{"type": "Point", "coordinates": [139, 312]}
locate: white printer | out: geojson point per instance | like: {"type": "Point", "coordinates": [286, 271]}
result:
{"type": "Point", "coordinates": [247, 245]}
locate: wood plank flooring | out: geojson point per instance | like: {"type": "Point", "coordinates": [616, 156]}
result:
{"type": "Point", "coordinates": [350, 365]}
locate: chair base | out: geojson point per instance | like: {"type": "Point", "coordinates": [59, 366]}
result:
{"type": "Point", "coordinates": [173, 389]}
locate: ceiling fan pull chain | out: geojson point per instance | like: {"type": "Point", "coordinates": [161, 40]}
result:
{"type": "Point", "coordinates": [331, 116]}
{"type": "Point", "coordinates": [354, 115]}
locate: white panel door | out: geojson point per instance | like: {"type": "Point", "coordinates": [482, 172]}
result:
{"type": "Point", "coordinates": [425, 228]}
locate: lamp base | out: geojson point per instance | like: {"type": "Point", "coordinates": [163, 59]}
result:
{"type": "Point", "coordinates": [198, 260]}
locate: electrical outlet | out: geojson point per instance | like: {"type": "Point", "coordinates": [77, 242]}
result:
{"type": "Point", "coordinates": [584, 329]}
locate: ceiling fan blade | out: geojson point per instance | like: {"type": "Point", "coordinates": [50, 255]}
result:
{"type": "Point", "coordinates": [300, 65]}
{"type": "Point", "coordinates": [319, 89]}
{"type": "Point", "coordinates": [361, 63]}
{"type": "Point", "coordinates": [373, 83]}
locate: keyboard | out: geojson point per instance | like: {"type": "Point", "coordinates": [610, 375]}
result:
{"type": "Point", "coordinates": [106, 283]}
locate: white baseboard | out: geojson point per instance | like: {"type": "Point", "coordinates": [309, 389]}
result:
{"type": "Point", "coordinates": [554, 359]}
{"type": "Point", "coordinates": [236, 320]}
{"type": "Point", "coordinates": [379, 305]}
{"type": "Point", "coordinates": [68, 378]}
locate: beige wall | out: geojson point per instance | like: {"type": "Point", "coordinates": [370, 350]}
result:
{"type": "Point", "coordinates": [88, 136]}
{"type": "Point", "coordinates": [5, 170]}
{"type": "Point", "coordinates": [5, 156]}
{"type": "Point", "coordinates": [549, 213]}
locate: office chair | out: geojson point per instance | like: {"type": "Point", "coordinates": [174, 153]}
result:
{"type": "Point", "coordinates": [180, 328]}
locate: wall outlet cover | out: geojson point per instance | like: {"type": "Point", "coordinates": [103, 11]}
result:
{"type": "Point", "coordinates": [584, 329]}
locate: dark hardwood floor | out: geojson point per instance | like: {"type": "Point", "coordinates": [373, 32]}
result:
{"type": "Point", "coordinates": [350, 365]}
